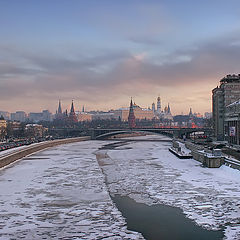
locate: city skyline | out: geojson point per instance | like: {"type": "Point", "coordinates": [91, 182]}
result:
{"type": "Point", "coordinates": [83, 108]}
{"type": "Point", "coordinates": [94, 54]}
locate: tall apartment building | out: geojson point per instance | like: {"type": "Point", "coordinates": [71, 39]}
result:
{"type": "Point", "coordinates": [227, 93]}
{"type": "Point", "coordinates": [19, 116]}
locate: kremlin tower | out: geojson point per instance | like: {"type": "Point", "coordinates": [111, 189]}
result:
{"type": "Point", "coordinates": [131, 116]}
{"type": "Point", "coordinates": [59, 113]}
{"type": "Point", "coordinates": [72, 115]}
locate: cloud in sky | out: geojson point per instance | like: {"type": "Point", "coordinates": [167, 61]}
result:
{"type": "Point", "coordinates": [102, 71]}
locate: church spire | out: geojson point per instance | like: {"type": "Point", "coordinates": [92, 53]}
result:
{"type": "Point", "coordinates": [59, 111]}
{"type": "Point", "coordinates": [72, 108]}
{"type": "Point", "coordinates": [169, 110]}
{"type": "Point", "coordinates": [190, 112]}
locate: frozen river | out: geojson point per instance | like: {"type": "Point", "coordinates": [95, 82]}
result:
{"type": "Point", "coordinates": [64, 192]}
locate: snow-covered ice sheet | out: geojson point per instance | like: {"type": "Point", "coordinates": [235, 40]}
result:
{"type": "Point", "coordinates": [59, 193]}
{"type": "Point", "coordinates": [149, 173]}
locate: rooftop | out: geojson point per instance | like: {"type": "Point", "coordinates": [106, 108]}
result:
{"type": "Point", "coordinates": [230, 78]}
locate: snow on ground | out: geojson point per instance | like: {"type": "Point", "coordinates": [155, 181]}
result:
{"type": "Point", "coordinates": [17, 149]}
{"type": "Point", "coordinates": [149, 173]}
{"type": "Point", "coordinates": [184, 149]}
{"type": "Point", "coordinates": [59, 193]}
{"type": "Point", "coordinates": [12, 150]}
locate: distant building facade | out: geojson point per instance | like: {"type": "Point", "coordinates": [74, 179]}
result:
{"type": "Point", "coordinates": [45, 115]}
{"type": "Point", "coordinates": [84, 117]}
{"type": "Point", "coordinates": [207, 115]}
{"type": "Point", "coordinates": [5, 114]}
{"type": "Point", "coordinates": [103, 116]}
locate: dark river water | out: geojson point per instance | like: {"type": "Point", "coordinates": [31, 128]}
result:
{"type": "Point", "coordinates": [160, 222]}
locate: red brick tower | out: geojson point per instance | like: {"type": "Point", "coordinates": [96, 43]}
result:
{"type": "Point", "coordinates": [72, 115]}
{"type": "Point", "coordinates": [131, 116]}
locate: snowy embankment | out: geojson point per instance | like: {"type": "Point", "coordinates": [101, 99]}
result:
{"type": "Point", "coordinates": [150, 174]}
{"type": "Point", "coordinates": [59, 193]}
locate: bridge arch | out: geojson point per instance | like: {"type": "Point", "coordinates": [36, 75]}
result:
{"type": "Point", "coordinates": [115, 133]}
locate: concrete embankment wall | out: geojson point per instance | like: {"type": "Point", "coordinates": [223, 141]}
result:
{"type": "Point", "coordinates": [206, 158]}
{"type": "Point", "coordinates": [12, 157]}
{"type": "Point", "coordinates": [193, 147]}
{"type": "Point", "coordinates": [210, 162]}
{"type": "Point", "coordinates": [198, 156]}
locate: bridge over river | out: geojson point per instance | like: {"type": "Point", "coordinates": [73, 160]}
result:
{"type": "Point", "coordinates": [103, 133]}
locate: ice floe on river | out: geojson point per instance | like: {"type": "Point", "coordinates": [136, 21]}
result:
{"type": "Point", "coordinates": [59, 194]}
{"type": "Point", "coordinates": [150, 174]}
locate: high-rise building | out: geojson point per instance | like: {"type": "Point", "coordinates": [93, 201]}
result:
{"type": "Point", "coordinates": [227, 93]}
{"type": "Point", "coordinates": [131, 116]}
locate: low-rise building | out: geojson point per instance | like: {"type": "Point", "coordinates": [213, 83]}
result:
{"type": "Point", "coordinates": [3, 127]}
{"type": "Point", "coordinates": [35, 130]}
{"type": "Point", "coordinates": [3, 123]}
